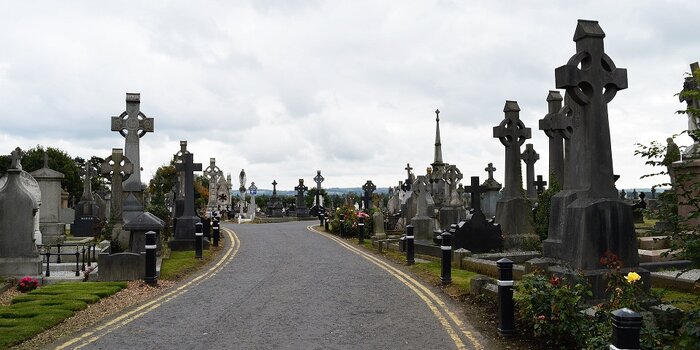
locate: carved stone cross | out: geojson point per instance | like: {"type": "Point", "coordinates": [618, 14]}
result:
{"type": "Point", "coordinates": [188, 167]}
{"type": "Point", "coordinates": [420, 188]}
{"type": "Point", "coordinates": [16, 159]}
{"type": "Point", "coordinates": [529, 157]}
{"type": "Point", "coordinates": [475, 190]}
{"type": "Point", "coordinates": [318, 179]}
{"type": "Point", "coordinates": [274, 187]}
{"type": "Point", "coordinates": [592, 81]}
{"type": "Point", "coordinates": [119, 168]}
{"type": "Point", "coordinates": [556, 142]}
{"type": "Point", "coordinates": [540, 183]}
{"type": "Point", "coordinates": [452, 177]}
{"type": "Point", "coordinates": [368, 188]}
{"type": "Point", "coordinates": [132, 125]}
{"type": "Point", "coordinates": [177, 158]}
{"type": "Point", "coordinates": [87, 183]}
{"type": "Point", "coordinates": [490, 169]}
{"type": "Point", "coordinates": [512, 133]}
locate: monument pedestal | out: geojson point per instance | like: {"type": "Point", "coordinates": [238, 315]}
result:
{"type": "Point", "coordinates": [53, 233]}
{"type": "Point", "coordinates": [422, 228]}
{"type": "Point", "coordinates": [687, 186]}
{"type": "Point", "coordinates": [21, 266]}
{"type": "Point", "coordinates": [183, 239]}
{"type": "Point", "coordinates": [451, 215]}
{"type": "Point", "coordinates": [514, 216]}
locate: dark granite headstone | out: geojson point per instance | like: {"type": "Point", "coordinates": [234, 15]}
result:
{"type": "Point", "coordinates": [556, 142]}
{"type": "Point", "coordinates": [184, 238]}
{"type": "Point", "coordinates": [368, 189]}
{"type": "Point", "coordinates": [274, 205]}
{"type": "Point", "coordinates": [302, 210]}
{"type": "Point", "coordinates": [477, 234]}
{"type": "Point", "coordinates": [86, 222]}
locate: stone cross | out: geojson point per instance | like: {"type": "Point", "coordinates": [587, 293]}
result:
{"type": "Point", "coordinates": [213, 174]}
{"type": "Point", "coordinates": [16, 159]}
{"type": "Point", "coordinates": [623, 194]}
{"type": "Point", "coordinates": [556, 142]}
{"type": "Point", "coordinates": [540, 183]}
{"type": "Point", "coordinates": [368, 189]}
{"type": "Point", "coordinates": [300, 194]}
{"type": "Point", "coordinates": [512, 133]}
{"type": "Point", "coordinates": [420, 188]}
{"type": "Point", "coordinates": [490, 169]}
{"type": "Point", "coordinates": [188, 167]}
{"type": "Point", "coordinates": [241, 192]}
{"type": "Point", "coordinates": [87, 183]}
{"type": "Point", "coordinates": [132, 125]}
{"type": "Point", "coordinates": [274, 187]}
{"type": "Point", "coordinates": [177, 157]}
{"type": "Point", "coordinates": [119, 168]}
{"type": "Point", "coordinates": [592, 81]}
{"type": "Point", "coordinates": [475, 190]}
{"type": "Point", "coordinates": [407, 184]}
{"type": "Point", "coordinates": [452, 177]}
{"type": "Point", "coordinates": [529, 157]}
{"type": "Point", "coordinates": [318, 179]}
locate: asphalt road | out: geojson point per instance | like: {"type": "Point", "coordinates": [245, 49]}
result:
{"type": "Point", "coordinates": [287, 287]}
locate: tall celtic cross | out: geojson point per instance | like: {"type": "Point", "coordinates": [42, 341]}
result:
{"type": "Point", "coordinates": [318, 179]}
{"type": "Point", "coordinates": [475, 190]}
{"type": "Point", "coordinates": [213, 174]}
{"type": "Point", "coordinates": [556, 142]}
{"type": "Point", "coordinates": [274, 187]}
{"type": "Point", "coordinates": [452, 176]}
{"type": "Point", "coordinates": [300, 193]}
{"type": "Point", "coordinates": [87, 183]}
{"type": "Point", "coordinates": [420, 188]}
{"type": "Point", "coordinates": [368, 188]}
{"type": "Point", "coordinates": [188, 167]}
{"type": "Point", "coordinates": [529, 157]}
{"type": "Point", "coordinates": [512, 133]}
{"type": "Point", "coordinates": [119, 168]}
{"type": "Point", "coordinates": [592, 81]}
{"type": "Point", "coordinates": [177, 158]}
{"type": "Point", "coordinates": [132, 125]}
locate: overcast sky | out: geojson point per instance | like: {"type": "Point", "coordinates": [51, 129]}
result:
{"type": "Point", "coordinates": [283, 88]}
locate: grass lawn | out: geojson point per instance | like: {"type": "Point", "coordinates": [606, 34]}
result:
{"type": "Point", "coordinates": [682, 300]}
{"type": "Point", "coordinates": [42, 308]}
{"type": "Point", "coordinates": [182, 263]}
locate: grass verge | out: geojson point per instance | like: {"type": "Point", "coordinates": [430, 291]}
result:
{"type": "Point", "coordinates": [682, 300]}
{"type": "Point", "coordinates": [31, 313]}
{"type": "Point", "coordinates": [182, 263]}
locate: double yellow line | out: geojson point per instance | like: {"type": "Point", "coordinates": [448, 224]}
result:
{"type": "Point", "coordinates": [106, 328]}
{"type": "Point", "coordinates": [448, 319]}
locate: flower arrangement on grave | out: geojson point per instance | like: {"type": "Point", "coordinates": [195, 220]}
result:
{"type": "Point", "coordinates": [27, 284]}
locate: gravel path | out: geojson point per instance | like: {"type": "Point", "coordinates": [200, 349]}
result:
{"type": "Point", "coordinates": [294, 289]}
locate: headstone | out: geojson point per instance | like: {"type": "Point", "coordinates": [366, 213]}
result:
{"type": "Point", "coordinates": [49, 180]}
{"type": "Point", "coordinates": [87, 221]}
{"type": "Point", "coordinates": [302, 210]}
{"type": "Point", "coordinates": [452, 212]}
{"type": "Point", "coordinates": [378, 225]}
{"type": "Point", "coordinates": [556, 141]}
{"type": "Point", "coordinates": [213, 173]}
{"type": "Point", "coordinates": [587, 218]}
{"type": "Point", "coordinates": [184, 237]}
{"type": "Point", "coordinates": [477, 234]}
{"type": "Point", "coordinates": [623, 194]}
{"type": "Point", "coordinates": [513, 212]}
{"type": "Point", "coordinates": [529, 157]}
{"type": "Point", "coordinates": [410, 178]}
{"type": "Point", "coordinates": [394, 204]}
{"type": "Point", "coordinates": [223, 192]}
{"type": "Point", "coordinates": [241, 194]}
{"type": "Point", "coordinates": [638, 209]}
{"type": "Point", "coordinates": [274, 205]}
{"type": "Point", "coordinates": [492, 193]}
{"type": "Point", "coordinates": [422, 221]}
{"type": "Point", "coordinates": [252, 207]}
{"type": "Point", "coordinates": [133, 125]}
{"type": "Point", "coordinates": [317, 208]}
{"type": "Point", "coordinates": [368, 189]}
{"type": "Point", "coordinates": [180, 187]}
{"type": "Point", "coordinates": [19, 255]}
{"type": "Point", "coordinates": [690, 85]}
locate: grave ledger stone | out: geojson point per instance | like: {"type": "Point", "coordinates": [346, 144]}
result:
{"type": "Point", "coordinates": [513, 211]}
{"type": "Point", "coordinates": [19, 255]}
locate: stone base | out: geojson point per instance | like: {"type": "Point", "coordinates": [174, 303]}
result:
{"type": "Point", "coordinates": [515, 217]}
{"type": "Point", "coordinates": [687, 178]}
{"type": "Point", "coordinates": [123, 266]}
{"type": "Point", "coordinates": [185, 228]}
{"type": "Point", "coordinates": [478, 235]}
{"type": "Point", "coordinates": [451, 215]}
{"type": "Point", "coordinates": [52, 233]}
{"type": "Point", "coordinates": [20, 267]}
{"type": "Point", "coordinates": [519, 242]}
{"type": "Point", "coordinates": [275, 213]}
{"type": "Point", "coordinates": [422, 228]}
{"type": "Point", "coordinates": [186, 244]}
{"type": "Point", "coordinates": [302, 212]}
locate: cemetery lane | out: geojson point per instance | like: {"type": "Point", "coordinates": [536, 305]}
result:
{"type": "Point", "coordinates": [288, 287]}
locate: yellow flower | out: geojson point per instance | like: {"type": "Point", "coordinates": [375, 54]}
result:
{"type": "Point", "coordinates": [633, 277]}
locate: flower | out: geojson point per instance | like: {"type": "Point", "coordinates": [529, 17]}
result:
{"type": "Point", "coordinates": [541, 317]}
{"type": "Point", "coordinates": [633, 277]}
{"type": "Point", "coordinates": [362, 214]}
{"type": "Point", "coordinates": [554, 280]}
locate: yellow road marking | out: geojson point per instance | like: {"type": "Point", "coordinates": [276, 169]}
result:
{"type": "Point", "coordinates": [91, 336]}
{"type": "Point", "coordinates": [421, 290]}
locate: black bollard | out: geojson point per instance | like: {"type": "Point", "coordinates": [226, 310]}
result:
{"type": "Point", "coordinates": [320, 219]}
{"type": "Point", "coordinates": [626, 327]}
{"type": "Point", "coordinates": [342, 225]}
{"type": "Point", "coordinates": [216, 233]}
{"type": "Point", "coordinates": [446, 246]}
{"type": "Point", "coordinates": [77, 262]}
{"type": "Point", "coordinates": [506, 306]}
{"type": "Point", "coordinates": [361, 230]}
{"type": "Point", "coordinates": [198, 240]}
{"type": "Point", "coordinates": [325, 222]}
{"type": "Point", "coordinates": [410, 250]}
{"type": "Point", "coordinates": [150, 276]}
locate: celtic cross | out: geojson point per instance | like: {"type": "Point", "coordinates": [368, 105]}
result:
{"type": "Point", "coordinates": [132, 125]}
{"type": "Point", "coordinates": [512, 133]}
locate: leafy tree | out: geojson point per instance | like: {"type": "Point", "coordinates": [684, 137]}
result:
{"type": "Point", "coordinates": [544, 203]}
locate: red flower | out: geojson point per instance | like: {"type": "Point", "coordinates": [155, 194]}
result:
{"type": "Point", "coordinates": [541, 317]}
{"type": "Point", "coordinates": [554, 280]}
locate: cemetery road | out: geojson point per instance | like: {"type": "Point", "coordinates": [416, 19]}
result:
{"type": "Point", "coordinates": [285, 286]}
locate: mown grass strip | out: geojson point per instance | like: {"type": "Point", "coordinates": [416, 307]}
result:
{"type": "Point", "coordinates": [182, 263]}
{"type": "Point", "coordinates": [31, 313]}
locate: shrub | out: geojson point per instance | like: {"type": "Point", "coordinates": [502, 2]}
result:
{"type": "Point", "coordinates": [27, 284]}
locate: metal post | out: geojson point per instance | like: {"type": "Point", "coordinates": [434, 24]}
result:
{"type": "Point", "coordinates": [82, 253]}
{"type": "Point", "coordinates": [77, 262]}
{"type": "Point", "coordinates": [626, 327]}
{"type": "Point", "coordinates": [325, 222]}
{"type": "Point", "coordinates": [342, 225]}
{"type": "Point", "coordinates": [198, 240]}
{"type": "Point", "coordinates": [361, 230]}
{"type": "Point", "coordinates": [48, 259]}
{"type": "Point", "coordinates": [446, 246]}
{"type": "Point", "coordinates": [216, 233]}
{"type": "Point", "coordinates": [58, 259]}
{"type": "Point", "coordinates": [506, 306]}
{"type": "Point", "coordinates": [410, 250]}
{"type": "Point", "coordinates": [150, 276]}
{"type": "Point", "coordinates": [320, 219]}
